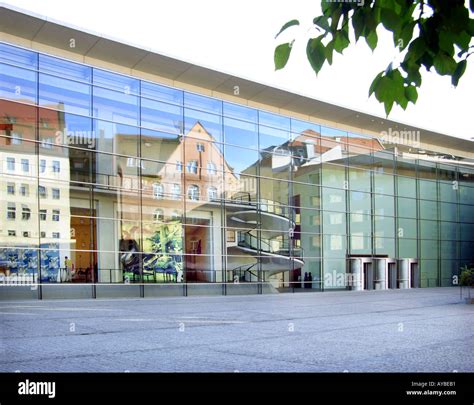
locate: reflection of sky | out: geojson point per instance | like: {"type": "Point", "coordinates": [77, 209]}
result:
{"type": "Point", "coordinates": [240, 159]}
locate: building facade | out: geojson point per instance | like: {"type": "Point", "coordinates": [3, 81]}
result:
{"type": "Point", "coordinates": [116, 185]}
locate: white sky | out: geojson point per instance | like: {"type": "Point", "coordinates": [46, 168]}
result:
{"type": "Point", "coordinates": [238, 37]}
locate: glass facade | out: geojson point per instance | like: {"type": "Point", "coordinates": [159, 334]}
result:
{"type": "Point", "coordinates": [107, 179]}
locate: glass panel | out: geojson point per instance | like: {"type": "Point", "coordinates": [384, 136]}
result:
{"type": "Point", "coordinates": [116, 106]}
{"type": "Point", "coordinates": [19, 57]}
{"type": "Point", "coordinates": [428, 229]}
{"type": "Point", "coordinates": [305, 127]}
{"type": "Point", "coordinates": [449, 230]}
{"type": "Point", "coordinates": [428, 209]}
{"type": "Point", "coordinates": [117, 138]}
{"type": "Point", "coordinates": [17, 84]}
{"type": "Point", "coordinates": [359, 179]}
{"type": "Point", "coordinates": [17, 128]}
{"type": "Point", "coordinates": [161, 93]}
{"type": "Point", "coordinates": [240, 112]}
{"type": "Point", "coordinates": [272, 139]}
{"type": "Point", "coordinates": [240, 133]}
{"type": "Point", "coordinates": [428, 190]}
{"type": "Point", "coordinates": [334, 246]}
{"type": "Point", "coordinates": [203, 125]}
{"type": "Point", "coordinates": [360, 203]}
{"type": "Point", "coordinates": [335, 199]}
{"type": "Point", "coordinates": [406, 207]}
{"type": "Point", "coordinates": [449, 212]}
{"type": "Point", "coordinates": [273, 120]}
{"type": "Point", "coordinates": [383, 183]}
{"type": "Point", "coordinates": [238, 160]}
{"type": "Point", "coordinates": [202, 103]}
{"type": "Point", "coordinates": [114, 81]}
{"type": "Point", "coordinates": [161, 116]}
{"type": "Point", "coordinates": [406, 187]}
{"type": "Point", "coordinates": [384, 227]}
{"type": "Point", "coordinates": [384, 205]}
{"type": "Point", "coordinates": [63, 68]}
{"type": "Point", "coordinates": [64, 95]}
{"type": "Point", "coordinates": [334, 222]}
{"type": "Point", "coordinates": [63, 129]}
{"type": "Point", "coordinates": [406, 228]}
{"type": "Point", "coordinates": [163, 147]}
{"type": "Point", "coordinates": [466, 213]}
{"type": "Point", "coordinates": [448, 191]}
{"type": "Point", "coordinates": [407, 248]}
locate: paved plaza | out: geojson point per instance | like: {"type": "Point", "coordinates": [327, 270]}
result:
{"type": "Point", "coordinates": [421, 330]}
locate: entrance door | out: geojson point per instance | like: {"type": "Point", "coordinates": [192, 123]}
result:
{"type": "Point", "coordinates": [368, 276]}
{"type": "Point", "coordinates": [392, 275]}
{"type": "Point", "coordinates": [414, 276]}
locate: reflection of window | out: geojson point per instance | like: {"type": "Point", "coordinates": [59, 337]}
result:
{"type": "Point", "coordinates": [11, 211]}
{"type": "Point", "coordinates": [15, 139]}
{"type": "Point", "coordinates": [56, 193]}
{"type": "Point", "coordinates": [158, 191]}
{"type": "Point", "coordinates": [42, 234]}
{"type": "Point", "coordinates": [56, 235]}
{"type": "Point", "coordinates": [24, 190]}
{"type": "Point", "coordinates": [42, 165]}
{"type": "Point", "coordinates": [25, 213]}
{"type": "Point", "coordinates": [56, 166]}
{"type": "Point", "coordinates": [335, 219]}
{"type": "Point", "coordinates": [56, 215]}
{"type": "Point", "coordinates": [230, 236]}
{"type": "Point", "coordinates": [42, 191]}
{"type": "Point", "coordinates": [10, 163]}
{"type": "Point", "coordinates": [43, 214]}
{"type": "Point", "coordinates": [11, 188]}
{"type": "Point", "coordinates": [176, 191]}
{"type": "Point", "coordinates": [192, 166]}
{"type": "Point", "coordinates": [193, 192]}
{"type": "Point", "coordinates": [175, 215]}
{"type": "Point", "coordinates": [25, 165]}
{"type": "Point", "coordinates": [336, 242]}
{"type": "Point", "coordinates": [200, 147]}
{"type": "Point", "coordinates": [211, 168]}
{"type": "Point", "coordinates": [26, 234]}
{"type": "Point", "coordinates": [212, 193]}
{"type": "Point", "coordinates": [179, 166]}
{"type": "Point", "coordinates": [11, 233]}
{"type": "Point", "coordinates": [158, 215]}
{"type": "Point", "coordinates": [357, 240]}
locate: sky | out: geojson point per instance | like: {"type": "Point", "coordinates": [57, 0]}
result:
{"type": "Point", "coordinates": [238, 37]}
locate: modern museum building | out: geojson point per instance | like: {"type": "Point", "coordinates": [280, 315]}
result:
{"type": "Point", "coordinates": [128, 173]}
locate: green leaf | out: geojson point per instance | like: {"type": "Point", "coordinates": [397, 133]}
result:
{"type": "Point", "coordinates": [416, 50]}
{"type": "Point", "coordinates": [375, 83]}
{"type": "Point", "coordinates": [341, 41]}
{"type": "Point", "coordinates": [328, 51]}
{"type": "Point", "coordinates": [444, 64]}
{"type": "Point", "coordinates": [411, 94]}
{"type": "Point", "coordinates": [446, 42]}
{"type": "Point", "coordinates": [372, 40]}
{"type": "Point", "coordinates": [402, 102]}
{"type": "Point", "coordinates": [322, 22]}
{"type": "Point", "coordinates": [287, 25]}
{"type": "Point", "coordinates": [282, 54]}
{"type": "Point", "coordinates": [358, 23]}
{"type": "Point", "coordinates": [390, 20]}
{"type": "Point", "coordinates": [388, 106]}
{"type": "Point", "coordinates": [315, 52]}
{"type": "Point", "coordinates": [458, 72]}
{"type": "Point", "coordinates": [406, 35]}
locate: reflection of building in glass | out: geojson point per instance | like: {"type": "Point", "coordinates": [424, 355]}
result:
{"type": "Point", "coordinates": [178, 193]}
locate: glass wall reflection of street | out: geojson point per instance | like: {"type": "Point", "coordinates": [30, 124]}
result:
{"type": "Point", "coordinates": [110, 179]}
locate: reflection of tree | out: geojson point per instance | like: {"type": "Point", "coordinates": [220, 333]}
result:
{"type": "Point", "coordinates": [167, 246]}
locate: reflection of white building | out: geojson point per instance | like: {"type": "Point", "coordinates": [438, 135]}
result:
{"type": "Point", "coordinates": [25, 203]}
